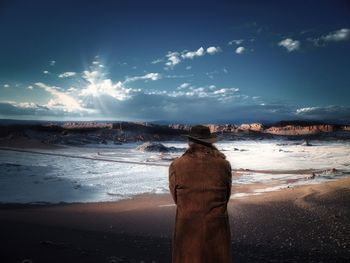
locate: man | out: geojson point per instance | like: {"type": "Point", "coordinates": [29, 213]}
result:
{"type": "Point", "coordinates": [200, 184]}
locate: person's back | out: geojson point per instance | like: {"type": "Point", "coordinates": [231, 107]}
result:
{"type": "Point", "coordinates": [200, 183]}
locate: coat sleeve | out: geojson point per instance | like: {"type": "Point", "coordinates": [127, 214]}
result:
{"type": "Point", "coordinates": [172, 182]}
{"type": "Point", "coordinates": [229, 181]}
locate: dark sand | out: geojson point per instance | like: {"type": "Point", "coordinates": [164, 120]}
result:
{"type": "Point", "coordinates": [21, 142]}
{"type": "Point", "coordinates": [305, 224]}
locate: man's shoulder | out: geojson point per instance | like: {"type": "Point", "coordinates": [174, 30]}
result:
{"type": "Point", "coordinates": [179, 160]}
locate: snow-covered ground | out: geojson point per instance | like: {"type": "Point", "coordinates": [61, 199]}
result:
{"type": "Point", "coordinates": [28, 177]}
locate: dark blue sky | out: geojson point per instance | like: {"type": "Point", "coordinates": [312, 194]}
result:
{"type": "Point", "coordinates": [199, 61]}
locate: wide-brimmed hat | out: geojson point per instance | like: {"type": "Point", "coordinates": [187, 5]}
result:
{"type": "Point", "coordinates": [202, 133]}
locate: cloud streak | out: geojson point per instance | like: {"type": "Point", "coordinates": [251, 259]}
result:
{"type": "Point", "coordinates": [340, 35]}
{"type": "Point", "coordinates": [60, 100]}
{"type": "Point", "coordinates": [336, 36]}
{"type": "Point", "coordinates": [149, 76]}
{"type": "Point", "coordinates": [327, 112]}
{"type": "Point", "coordinates": [67, 74]}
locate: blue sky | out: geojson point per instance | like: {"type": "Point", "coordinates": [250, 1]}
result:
{"type": "Point", "coordinates": [186, 61]}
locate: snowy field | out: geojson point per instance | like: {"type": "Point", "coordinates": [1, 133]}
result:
{"type": "Point", "coordinates": [29, 177]}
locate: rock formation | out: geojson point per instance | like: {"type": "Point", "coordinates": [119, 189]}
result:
{"type": "Point", "coordinates": [157, 147]}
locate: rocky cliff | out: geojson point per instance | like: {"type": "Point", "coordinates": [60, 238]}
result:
{"type": "Point", "coordinates": [282, 128]}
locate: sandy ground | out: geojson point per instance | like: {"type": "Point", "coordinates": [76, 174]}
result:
{"type": "Point", "coordinates": [304, 224]}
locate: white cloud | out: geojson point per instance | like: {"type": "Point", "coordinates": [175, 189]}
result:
{"type": "Point", "coordinates": [72, 89]}
{"type": "Point", "coordinates": [236, 42]}
{"type": "Point", "coordinates": [224, 91]}
{"type": "Point", "coordinates": [213, 50]}
{"type": "Point", "coordinates": [172, 59]}
{"type": "Point", "coordinates": [149, 76]}
{"type": "Point", "coordinates": [97, 63]}
{"type": "Point", "coordinates": [192, 54]}
{"type": "Point", "coordinates": [156, 61]}
{"type": "Point", "coordinates": [178, 76]}
{"type": "Point", "coordinates": [306, 110]}
{"type": "Point", "coordinates": [188, 67]}
{"type": "Point", "coordinates": [184, 85]}
{"type": "Point", "coordinates": [335, 36]}
{"type": "Point", "coordinates": [92, 76]}
{"type": "Point", "coordinates": [27, 105]}
{"type": "Point", "coordinates": [339, 35]}
{"type": "Point", "coordinates": [106, 87]}
{"type": "Point", "coordinates": [290, 44]}
{"type": "Point", "coordinates": [6, 85]}
{"type": "Point", "coordinates": [30, 87]}
{"type": "Point", "coordinates": [52, 62]}
{"type": "Point", "coordinates": [61, 101]}
{"type": "Point", "coordinates": [240, 50]}
{"type": "Point", "coordinates": [186, 90]}
{"type": "Point", "coordinates": [98, 86]}
{"type": "Point", "coordinates": [152, 76]}
{"type": "Point", "coordinates": [46, 72]}
{"type": "Point", "coordinates": [67, 74]}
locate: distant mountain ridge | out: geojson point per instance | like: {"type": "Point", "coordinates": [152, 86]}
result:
{"type": "Point", "coordinates": [109, 132]}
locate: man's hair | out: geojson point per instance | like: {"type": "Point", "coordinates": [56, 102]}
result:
{"type": "Point", "coordinates": [198, 145]}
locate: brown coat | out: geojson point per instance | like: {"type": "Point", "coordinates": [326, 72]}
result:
{"type": "Point", "coordinates": [200, 184]}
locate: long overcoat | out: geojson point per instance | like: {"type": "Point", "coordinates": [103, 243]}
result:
{"type": "Point", "coordinates": [200, 184]}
